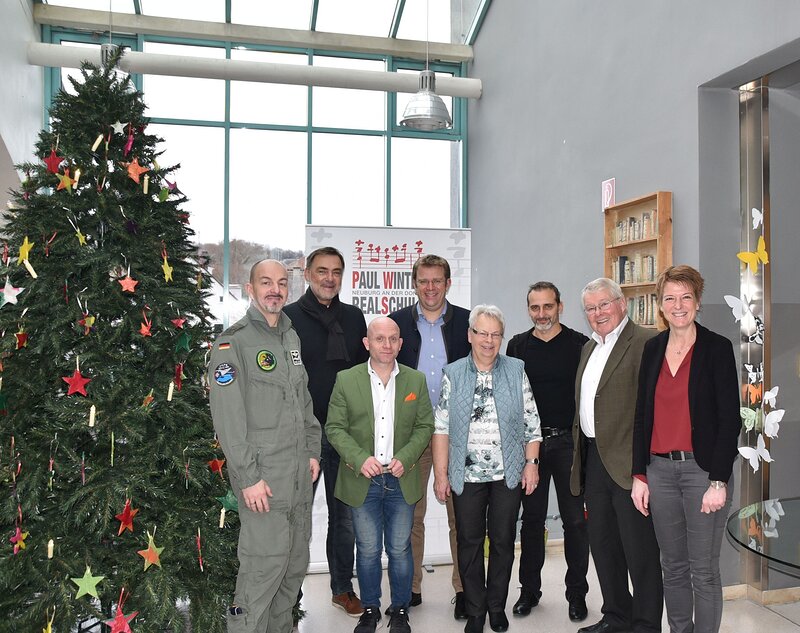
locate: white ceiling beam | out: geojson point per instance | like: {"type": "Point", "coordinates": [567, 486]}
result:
{"type": "Point", "coordinates": [56, 55]}
{"type": "Point", "coordinates": [86, 19]}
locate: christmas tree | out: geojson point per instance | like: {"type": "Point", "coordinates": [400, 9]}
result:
{"type": "Point", "coordinates": [112, 481]}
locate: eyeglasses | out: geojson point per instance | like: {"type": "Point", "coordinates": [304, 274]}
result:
{"type": "Point", "coordinates": [487, 335]}
{"type": "Point", "coordinates": [436, 283]}
{"type": "Point", "coordinates": [600, 307]}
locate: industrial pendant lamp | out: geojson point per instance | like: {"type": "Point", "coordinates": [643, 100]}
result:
{"type": "Point", "coordinates": [426, 110]}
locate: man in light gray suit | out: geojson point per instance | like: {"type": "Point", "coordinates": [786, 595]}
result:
{"type": "Point", "coordinates": [622, 540]}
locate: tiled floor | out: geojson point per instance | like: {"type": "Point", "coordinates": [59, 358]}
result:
{"type": "Point", "coordinates": [435, 614]}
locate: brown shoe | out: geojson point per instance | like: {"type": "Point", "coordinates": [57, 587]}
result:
{"type": "Point", "coordinates": [349, 602]}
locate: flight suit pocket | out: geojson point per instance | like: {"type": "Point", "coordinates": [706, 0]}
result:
{"type": "Point", "coordinates": [265, 402]}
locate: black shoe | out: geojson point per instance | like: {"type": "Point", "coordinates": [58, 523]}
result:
{"type": "Point", "coordinates": [601, 627]}
{"type": "Point", "coordinates": [577, 609]}
{"type": "Point", "coordinates": [460, 609]}
{"type": "Point", "coordinates": [475, 624]}
{"type": "Point", "coordinates": [526, 602]}
{"type": "Point", "coordinates": [368, 621]}
{"type": "Point", "coordinates": [399, 621]}
{"type": "Point", "coordinates": [498, 621]}
{"type": "Point", "coordinates": [416, 599]}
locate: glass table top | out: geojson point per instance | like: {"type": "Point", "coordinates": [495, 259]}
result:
{"type": "Point", "coordinates": [770, 529]}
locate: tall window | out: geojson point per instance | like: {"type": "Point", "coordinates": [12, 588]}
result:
{"type": "Point", "coordinates": [259, 161]}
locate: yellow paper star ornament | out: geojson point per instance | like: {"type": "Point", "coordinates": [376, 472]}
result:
{"type": "Point", "coordinates": [167, 269]}
{"type": "Point", "coordinates": [24, 250]}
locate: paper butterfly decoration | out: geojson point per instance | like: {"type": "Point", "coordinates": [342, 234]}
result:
{"type": "Point", "coordinates": [749, 417]}
{"type": "Point", "coordinates": [752, 259]}
{"type": "Point", "coordinates": [755, 455]}
{"type": "Point", "coordinates": [774, 510]}
{"type": "Point", "coordinates": [739, 308]}
{"type": "Point", "coordinates": [769, 396]}
{"type": "Point", "coordinates": [755, 373]}
{"type": "Point", "coordinates": [758, 217]}
{"type": "Point", "coordinates": [751, 394]}
{"type": "Point", "coordinates": [772, 422]}
{"type": "Point", "coordinates": [757, 336]}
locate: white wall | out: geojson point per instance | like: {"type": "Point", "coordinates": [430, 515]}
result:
{"type": "Point", "coordinates": [21, 86]}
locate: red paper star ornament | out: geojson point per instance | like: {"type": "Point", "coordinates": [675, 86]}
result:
{"type": "Point", "coordinates": [53, 161]}
{"type": "Point", "coordinates": [216, 466]}
{"type": "Point", "coordinates": [22, 339]}
{"type": "Point", "coordinates": [125, 517]}
{"type": "Point", "coordinates": [128, 284]}
{"type": "Point", "coordinates": [178, 323]}
{"type": "Point", "coordinates": [135, 170]}
{"type": "Point", "coordinates": [76, 382]}
{"type": "Point", "coordinates": [120, 623]}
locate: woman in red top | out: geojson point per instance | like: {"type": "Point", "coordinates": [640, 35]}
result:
{"type": "Point", "coordinates": [684, 443]}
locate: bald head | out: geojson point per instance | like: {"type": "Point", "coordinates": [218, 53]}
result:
{"type": "Point", "coordinates": [383, 342]}
{"type": "Point", "coordinates": [269, 288]}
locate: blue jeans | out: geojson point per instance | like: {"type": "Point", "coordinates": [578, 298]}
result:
{"type": "Point", "coordinates": [384, 517]}
{"type": "Point", "coordinates": [340, 539]}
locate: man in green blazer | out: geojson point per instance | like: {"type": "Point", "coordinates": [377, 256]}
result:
{"type": "Point", "coordinates": [380, 420]}
{"type": "Point", "coordinates": [621, 539]}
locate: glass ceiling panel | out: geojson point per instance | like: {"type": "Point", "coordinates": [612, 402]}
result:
{"type": "Point", "coordinates": [208, 10]}
{"type": "Point", "coordinates": [412, 26]}
{"type": "Point", "coordinates": [357, 17]}
{"type": "Point", "coordinates": [449, 21]}
{"type": "Point", "coordinates": [274, 13]}
{"type": "Point", "coordinates": [117, 6]}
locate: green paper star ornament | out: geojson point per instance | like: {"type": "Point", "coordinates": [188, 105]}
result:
{"type": "Point", "coordinates": [183, 342]}
{"type": "Point", "coordinates": [229, 501]}
{"type": "Point", "coordinates": [87, 585]}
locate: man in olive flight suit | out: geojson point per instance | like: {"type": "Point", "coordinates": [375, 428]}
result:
{"type": "Point", "coordinates": [263, 416]}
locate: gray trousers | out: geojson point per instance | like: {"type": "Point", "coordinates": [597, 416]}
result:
{"type": "Point", "coordinates": [690, 543]}
{"type": "Point", "coordinates": [273, 559]}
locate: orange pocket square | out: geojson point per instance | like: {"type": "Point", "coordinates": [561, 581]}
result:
{"type": "Point", "coordinates": [410, 397]}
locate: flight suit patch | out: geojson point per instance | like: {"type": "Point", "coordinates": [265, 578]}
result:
{"type": "Point", "coordinates": [296, 356]}
{"type": "Point", "coordinates": [266, 360]}
{"type": "Point", "coordinates": [224, 374]}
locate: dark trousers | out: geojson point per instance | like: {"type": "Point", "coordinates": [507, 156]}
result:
{"type": "Point", "coordinates": [483, 507]}
{"type": "Point", "coordinates": [623, 542]}
{"type": "Point", "coordinates": [555, 456]}
{"type": "Point", "coordinates": [340, 542]}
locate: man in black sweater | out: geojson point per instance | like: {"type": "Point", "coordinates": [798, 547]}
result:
{"type": "Point", "coordinates": [551, 352]}
{"type": "Point", "coordinates": [434, 333]}
{"type": "Point", "coordinates": [331, 335]}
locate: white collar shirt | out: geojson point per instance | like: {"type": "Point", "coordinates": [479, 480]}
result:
{"type": "Point", "coordinates": [383, 407]}
{"type": "Point", "coordinates": [592, 374]}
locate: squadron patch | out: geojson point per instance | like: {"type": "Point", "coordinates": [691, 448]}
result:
{"type": "Point", "coordinates": [224, 374]}
{"type": "Point", "coordinates": [266, 360]}
{"type": "Point", "coordinates": [296, 357]}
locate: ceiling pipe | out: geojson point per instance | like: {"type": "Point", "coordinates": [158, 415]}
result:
{"type": "Point", "coordinates": [59, 56]}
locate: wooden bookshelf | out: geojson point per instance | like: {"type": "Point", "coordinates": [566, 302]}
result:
{"type": "Point", "coordinates": [638, 246]}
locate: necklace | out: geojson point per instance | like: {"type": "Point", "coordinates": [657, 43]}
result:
{"type": "Point", "coordinates": [680, 351]}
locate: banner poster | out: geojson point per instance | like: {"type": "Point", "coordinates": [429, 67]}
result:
{"type": "Point", "coordinates": [378, 263]}
{"type": "Point", "coordinates": [377, 279]}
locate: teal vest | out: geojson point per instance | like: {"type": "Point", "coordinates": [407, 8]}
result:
{"type": "Point", "coordinates": [508, 399]}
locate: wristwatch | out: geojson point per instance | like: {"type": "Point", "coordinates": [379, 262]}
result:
{"type": "Point", "coordinates": [717, 485]}
{"type": "Point", "coordinates": [534, 461]}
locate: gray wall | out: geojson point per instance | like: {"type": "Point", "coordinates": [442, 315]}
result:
{"type": "Point", "coordinates": [578, 92]}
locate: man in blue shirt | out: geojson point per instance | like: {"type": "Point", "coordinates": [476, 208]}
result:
{"type": "Point", "coordinates": [434, 333]}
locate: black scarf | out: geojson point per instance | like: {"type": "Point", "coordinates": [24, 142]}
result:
{"type": "Point", "coordinates": [330, 318]}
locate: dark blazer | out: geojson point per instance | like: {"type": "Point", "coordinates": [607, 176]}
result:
{"type": "Point", "coordinates": [454, 332]}
{"type": "Point", "coordinates": [713, 403]}
{"type": "Point", "coordinates": [614, 407]}
{"type": "Point", "coordinates": [351, 430]}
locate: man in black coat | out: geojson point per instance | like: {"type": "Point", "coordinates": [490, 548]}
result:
{"type": "Point", "coordinates": [434, 333]}
{"type": "Point", "coordinates": [331, 334]}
